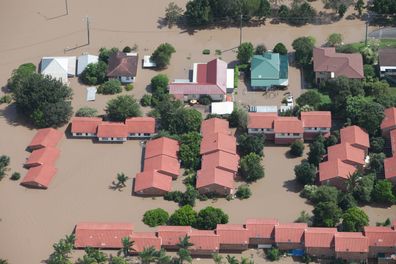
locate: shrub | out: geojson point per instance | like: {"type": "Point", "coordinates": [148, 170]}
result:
{"type": "Point", "coordinates": [86, 112]}
{"type": "Point", "coordinates": [206, 52]}
{"type": "Point", "coordinates": [209, 217]}
{"type": "Point", "coordinates": [273, 254]}
{"type": "Point", "coordinates": [236, 76]}
{"type": "Point", "coordinates": [175, 196]}
{"type": "Point", "coordinates": [251, 168]}
{"type": "Point", "coordinates": [129, 87]}
{"type": "Point", "coordinates": [382, 192]}
{"type": "Point", "coordinates": [94, 73]}
{"type": "Point", "coordinates": [245, 52]}
{"type": "Point", "coordinates": [334, 40]}
{"type": "Point", "coordinates": [305, 173]}
{"type": "Point", "coordinates": [280, 48]}
{"type": "Point", "coordinates": [110, 87]}
{"type": "Point", "coordinates": [248, 143]}
{"type": "Point", "coordinates": [122, 107]}
{"type": "Point", "coordinates": [6, 99]}
{"type": "Point", "coordinates": [15, 176]}
{"type": "Point", "coordinates": [105, 53]}
{"type": "Point", "coordinates": [218, 52]}
{"type": "Point", "coordinates": [146, 100]}
{"type": "Point", "coordinates": [20, 74]}
{"type": "Point", "coordinates": [155, 217]}
{"type": "Point", "coordinates": [127, 49]}
{"type": "Point", "coordinates": [297, 148]}
{"type": "Point", "coordinates": [162, 55]}
{"type": "Point", "coordinates": [260, 49]}
{"type": "Point", "coordinates": [184, 216]}
{"type": "Point", "coordinates": [243, 192]}
{"type": "Point", "coordinates": [309, 191]}
{"type": "Point", "coordinates": [205, 100]}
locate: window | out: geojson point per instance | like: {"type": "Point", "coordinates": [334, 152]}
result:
{"type": "Point", "coordinates": [79, 134]}
{"type": "Point", "coordinates": [296, 134]}
{"type": "Point", "coordinates": [147, 134]}
{"type": "Point", "coordinates": [105, 138]}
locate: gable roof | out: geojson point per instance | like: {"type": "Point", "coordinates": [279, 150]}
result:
{"type": "Point", "coordinates": [45, 137]}
{"type": "Point", "coordinates": [170, 234]}
{"type": "Point", "coordinates": [380, 236]}
{"type": "Point", "coordinates": [217, 141]}
{"type": "Point", "coordinates": [290, 233]}
{"type": "Point", "coordinates": [84, 60]}
{"type": "Point", "coordinates": [112, 129]}
{"type": "Point", "coordinates": [161, 146]}
{"type": "Point", "coordinates": [389, 120]}
{"type": "Point", "coordinates": [351, 242]}
{"type": "Point", "coordinates": [144, 240]}
{"type": "Point", "coordinates": [334, 168]}
{"type": "Point", "coordinates": [39, 176]}
{"type": "Point", "coordinates": [122, 64]}
{"type": "Point", "coordinates": [319, 237]}
{"type": "Point", "coordinates": [210, 176]}
{"type": "Point", "coordinates": [261, 228]}
{"type": "Point", "coordinates": [346, 152]}
{"type": "Point", "coordinates": [387, 57]}
{"type": "Point", "coordinates": [342, 64]}
{"type": "Point", "coordinates": [261, 120]}
{"type": "Point", "coordinates": [355, 135]}
{"type": "Point", "coordinates": [43, 156]}
{"type": "Point", "coordinates": [101, 235]}
{"type": "Point", "coordinates": [393, 140]}
{"type": "Point", "coordinates": [56, 67]}
{"type": "Point", "coordinates": [220, 159]}
{"type": "Point", "coordinates": [390, 167]}
{"type": "Point", "coordinates": [214, 125]}
{"type": "Point", "coordinates": [204, 240]}
{"type": "Point", "coordinates": [152, 179]}
{"type": "Point", "coordinates": [85, 124]}
{"type": "Point", "coordinates": [232, 234]}
{"type": "Point", "coordinates": [140, 125]}
{"type": "Point", "coordinates": [163, 163]}
{"type": "Point", "coordinates": [288, 125]}
{"type": "Point", "coordinates": [268, 69]}
{"type": "Point", "coordinates": [320, 119]}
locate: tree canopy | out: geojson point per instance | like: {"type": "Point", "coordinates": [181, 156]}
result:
{"type": "Point", "coordinates": [122, 107]}
{"type": "Point", "coordinates": [305, 173]}
{"type": "Point", "coordinates": [303, 47]}
{"type": "Point", "coordinates": [248, 143]}
{"type": "Point", "coordinates": [209, 217]}
{"type": "Point", "coordinates": [162, 55]}
{"type": "Point", "coordinates": [94, 73]}
{"type": "Point", "coordinates": [326, 214]}
{"type": "Point", "coordinates": [155, 217]}
{"type": "Point", "coordinates": [86, 112]}
{"type": "Point", "coordinates": [20, 74]}
{"type": "Point", "coordinates": [250, 167]}
{"type": "Point", "coordinates": [184, 216]}
{"type": "Point", "coordinates": [382, 192]}
{"type": "Point", "coordinates": [245, 52]}
{"type": "Point", "coordinates": [110, 87]}
{"type": "Point", "coordinates": [280, 48]}
{"type": "Point", "coordinates": [189, 150]}
{"type": "Point", "coordinates": [354, 220]}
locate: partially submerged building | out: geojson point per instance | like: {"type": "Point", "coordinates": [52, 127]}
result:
{"type": "Point", "coordinates": [123, 67]}
{"type": "Point", "coordinates": [269, 70]}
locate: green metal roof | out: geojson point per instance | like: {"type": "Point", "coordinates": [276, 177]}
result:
{"type": "Point", "coordinates": [269, 69]}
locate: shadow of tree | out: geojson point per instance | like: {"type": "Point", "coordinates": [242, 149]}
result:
{"type": "Point", "coordinates": [293, 186]}
{"type": "Point", "coordinates": [10, 113]}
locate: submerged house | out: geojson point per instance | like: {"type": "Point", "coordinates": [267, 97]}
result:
{"type": "Point", "coordinates": [269, 70]}
{"type": "Point", "coordinates": [59, 68]}
{"type": "Point", "coordinates": [123, 67]}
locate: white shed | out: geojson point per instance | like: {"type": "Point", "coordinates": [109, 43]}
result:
{"type": "Point", "coordinates": [222, 108]}
{"type": "Point", "coordinates": [91, 93]}
{"type": "Point", "coordinates": [83, 62]}
{"type": "Point", "coordinates": [148, 63]}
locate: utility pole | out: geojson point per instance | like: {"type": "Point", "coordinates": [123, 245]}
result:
{"type": "Point", "coordinates": [88, 35]}
{"type": "Point", "coordinates": [67, 7]}
{"type": "Point", "coordinates": [367, 24]}
{"type": "Point", "coordinates": [240, 30]}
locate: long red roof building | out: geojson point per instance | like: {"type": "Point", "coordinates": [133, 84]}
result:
{"type": "Point", "coordinates": [39, 177]}
{"type": "Point", "coordinates": [45, 137]}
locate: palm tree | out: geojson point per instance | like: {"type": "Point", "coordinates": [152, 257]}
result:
{"type": "Point", "coordinates": [184, 255]}
{"type": "Point", "coordinates": [126, 245]}
{"type": "Point", "coordinates": [148, 255]}
{"type": "Point", "coordinates": [117, 260]}
{"type": "Point", "coordinates": [232, 260]}
{"type": "Point", "coordinates": [245, 260]}
{"type": "Point", "coordinates": [353, 181]}
{"type": "Point", "coordinates": [3, 261]}
{"type": "Point", "coordinates": [162, 258]}
{"type": "Point", "coordinates": [185, 242]}
{"type": "Point", "coordinates": [121, 179]}
{"type": "Point", "coordinates": [217, 258]}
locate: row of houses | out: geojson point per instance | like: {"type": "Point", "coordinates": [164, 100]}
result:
{"type": "Point", "coordinates": [373, 242]}
{"type": "Point", "coordinates": [161, 166]}
{"type": "Point", "coordinates": [94, 127]}
{"type": "Point", "coordinates": [219, 158]}
{"type": "Point", "coordinates": [388, 127]}
{"type": "Point", "coordinates": [286, 130]}
{"type": "Point", "coordinates": [41, 162]}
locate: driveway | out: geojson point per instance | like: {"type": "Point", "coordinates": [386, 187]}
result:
{"type": "Point", "coordinates": [384, 33]}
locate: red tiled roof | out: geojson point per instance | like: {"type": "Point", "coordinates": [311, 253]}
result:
{"type": "Point", "coordinates": [120, 64]}
{"type": "Point", "coordinates": [162, 146]}
{"type": "Point", "coordinates": [319, 237]}
{"type": "Point", "coordinates": [390, 167]}
{"type": "Point", "coordinates": [144, 240]}
{"type": "Point", "coordinates": [346, 152]}
{"type": "Point", "coordinates": [216, 176]}
{"type": "Point", "coordinates": [220, 159]}
{"type": "Point", "coordinates": [261, 228]}
{"type": "Point", "coordinates": [152, 179]}
{"type": "Point", "coordinates": [39, 176]}
{"type": "Point", "coordinates": [170, 234]}
{"type": "Point", "coordinates": [284, 124]}
{"type": "Point", "coordinates": [355, 135]}
{"type": "Point", "coordinates": [85, 124]}
{"type": "Point", "coordinates": [112, 129]}
{"type": "Point", "coordinates": [290, 233]}
{"type": "Point", "coordinates": [351, 242]}
{"type": "Point", "coordinates": [334, 168]}
{"type": "Point", "coordinates": [140, 125]}
{"type": "Point", "coordinates": [393, 140]}
{"type": "Point", "coordinates": [214, 125]}
{"type": "Point", "coordinates": [320, 119]}
{"type": "Point", "coordinates": [232, 234]}
{"type": "Point", "coordinates": [42, 156]}
{"type": "Point", "coordinates": [218, 141]}
{"type": "Point", "coordinates": [342, 64]}
{"type": "Point", "coordinates": [389, 119]}
{"type": "Point", "coordinates": [204, 240]}
{"type": "Point", "coordinates": [45, 137]}
{"type": "Point", "coordinates": [380, 236]}
{"type": "Point", "coordinates": [163, 163]}
{"type": "Point", "coordinates": [101, 235]}
{"type": "Point", "coordinates": [261, 120]}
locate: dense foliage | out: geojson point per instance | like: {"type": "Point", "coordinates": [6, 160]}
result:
{"type": "Point", "coordinates": [209, 217]}
{"type": "Point", "coordinates": [162, 55]}
{"type": "Point", "coordinates": [354, 220]}
{"type": "Point", "coordinates": [155, 217]}
{"type": "Point", "coordinates": [94, 73]}
{"type": "Point", "coordinates": [297, 148]}
{"type": "Point", "coordinates": [250, 167]}
{"type": "Point", "coordinates": [86, 112]}
{"type": "Point", "coordinates": [184, 216]}
{"type": "Point", "coordinates": [110, 87]}
{"type": "Point", "coordinates": [245, 52]}
{"type": "Point", "coordinates": [19, 74]}
{"type": "Point", "coordinates": [305, 173]}
{"type": "Point", "coordinates": [248, 143]}
{"type": "Point", "coordinates": [122, 107]}
{"type": "Point", "coordinates": [303, 47]}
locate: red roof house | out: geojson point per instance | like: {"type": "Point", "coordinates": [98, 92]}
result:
{"type": "Point", "coordinates": [42, 156]}
{"type": "Point", "coordinates": [319, 241]}
{"type": "Point", "coordinates": [171, 235]}
{"type": "Point", "coordinates": [45, 137]}
{"type": "Point", "coordinates": [39, 177]}
{"type": "Point", "coordinates": [205, 242]}
{"type": "Point", "coordinates": [232, 236]}
{"type": "Point", "coordinates": [112, 131]}
{"type": "Point", "coordinates": [335, 172]}
{"type": "Point", "coordinates": [355, 136]}
{"type": "Point", "coordinates": [140, 126]}
{"type": "Point", "coordinates": [122, 66]}
{"type": "Point", "coordinates": [262, 123]}
{"type": "Point", "coordinates": [163, 164]}
{"type": "Point", "coordinates": [152, 183]}
{"type": "Point", "coordinates": [390, 169]}
{"type": "Point", "coordinates": [222, 160]}
{"type": "Point", "coordinates": [216, 141]}
{"type": "Point", "coordinates": [214, 180]}
{"type": "Point", "coordinates": [389, 121]}
{"type": "Point", "coordinates": [290, 236]}
{"type": "Point", "coordinates": [381, 239]}
{"type": "Point", "coordinates": [261, 231]}
{"type": "Point", "coordinates": [144, 240]}
{"type": "Point", "coordinates": [85, 126]}
{"type": "Point", "coordinates": [315, 122]}
{"type": "Point", "coordinates": [351, 245]}
{"type": "Point", "coordinates": [393, 140]}
{"type": "Point", "coordinates": [287, 130]}
{"type": "Point", "coordinates": [347, 153]}
{"type": "Point", "coordinates": [162, 146]}
{"type": "Point", "coordinates": [101, 235]}
{"type": "Point", "coordinates": [214, 125]}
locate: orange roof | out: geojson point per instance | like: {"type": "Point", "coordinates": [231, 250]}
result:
{"type": "Point", "coordinates": [144, 240]}
{"type": "Point", "coordinates": [162, 146]}
{"type": "Point", "coordinates": [351, 242]}
{"type": "Point", "coordinates": [204, 240]}
{"type": "Point", "coordinates": [152, 179]}
{"type": "Point", "coordinates": [218, 141]}
{"type": "Point", "coordinates": [393, 140]}
{"type": "Point", "coordinates": [290, 233]}
{"type": "Point", "coordinates": [355, 135]}
{"type": "Point", "coordinates": [220, 159]}
{"type": "Point", "coordinates": [261, 228]}
{"type": "Point", "coordinates": [140, 125]}
{"type": "Point", "coordinates": [232, 234]}
{"type": "Point", "coordinates": [112, 130]}
{"type": "Point", "coordinates": [390, 167]}
{"type": "Point", "coordinates": [39, 176]}
{"type": "Point", "coordinates": [320, 119]}
{"type": "Point", "coordinates": [216, 176]}
{"type": "Point", "coordinates": [380, 236]}
{"type": "Point", "coordinates": [261, 120]}
{"type": "Point", "coordinates": [45, 137]}
{"type": "Point", "coordinates": [85, 124]}
{"type": "Point", "coordinates": [214, 125]}
{"type": "Point", "coordinates": [334, 168]}
{"type": "Point", "coordinates": [101, 235]}
{"type": "Point", "coordinates": [163, 163]}
{"type": "Point", "coordinates": [170, 234]}
{"type": "Point", "coordinates": [389, 119]}
{"type": "Point", "coordinates": [319, 237]}
{"type": "Point", "coordinates": [286, 124]}
{"type": "Point", "coordinates": [43, 156]}
{"type": "Point", "coordinates": [346, 152]}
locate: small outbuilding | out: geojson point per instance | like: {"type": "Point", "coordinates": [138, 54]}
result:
{"type": "Point", "coordinates": [45, 137]}
{"type": "Point", "coordinates": [84, 60]}
{"type": "Point", "coordinates": [42, 156]}
{"type": "Point", "coordinates": [39, 177]}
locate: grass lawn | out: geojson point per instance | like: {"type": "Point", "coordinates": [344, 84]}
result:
{"type": "Point", "coordinates": [357, 46]}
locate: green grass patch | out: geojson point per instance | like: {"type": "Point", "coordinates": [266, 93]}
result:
{"type": "Point", "coordinates": [206, 52]}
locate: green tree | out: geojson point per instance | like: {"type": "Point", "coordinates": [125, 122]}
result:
{"type": "Point", "coordinates": [148, 255]}
{"type": "Point", "coordinates": [198, 13]}
{"type": "Point", "coordinates": [184, 255]}
{"type": "Point", "coordinates": [248, 143]}
{"type": "Point", "coordinates": [173, 13]}
{"type": "Point", "coordinates": [303, 47]}
{"type": "Point", "coordinates": [325, 193]}
{"type": "Point", "coordinates": [122, 107]}
{"type": "Point", "coordinates": [184, 242]}
{"type": "Point", "coordinates": [359, 6]}
{"type": "Point", "coordinates": [369, 72]}
{"type": "Point", "coordinates": [93, 255]}
{"type": "Point", "coordinates": [384, 6]}
{"type": "Point", "coordinates": [238, 118]}
{"type": "Point", "coordinates": [245, 52]}
{"type": "Point", "coordinates": [217, 258]}
{"type": "Point", "coordinates": [62, 250]}
{"type": "Point", "coordinates": [301, 13]}
{"type": "Point", "coordinates": [117, 260]}
{"type": "Point", "coordinates": [20, 74]}
{"type": "Point", "coordinates": [342, 10]}
{"type": "Point", "coordinates": [86, 112]}
{"type": "Point", "coordinates": [184, 216]}
{"type": "Point", "coordinates": [382, 192]}
{"type": "Point", "coordinates": [311, 97]}
{"type": "Point", "coordinates": [43, 100]}
{"type": "Point", "coordinates": [94, 73]}
{"type": "Point", "coordinates": [305, 173]}
{"type": "Point", "coordinates": [354, 220]}
{"type": "Point", "coordinates": [127, 245]}
{"type": "Point", "coordinates": [155, 217]}
{"type": "Point", "coordinates": [326, 214]}
{"type": "Point", "coordinates": [146, 100]}
{"type": "Point", "coordinates": [273, 254]}
{"type": "Point", "coordinates": [363, 191]}
{"type": "Point", "coordinates": [209, 217]}
{"type": "Point", "coordinates": [243, 192]}
{"type": "Point", "coordinates": [186, 120]}
{"type": "Point", "coordinates": [162, 55]}
{"type": "Point", "coordinates": [110, 87]}
{"type": "Point", "coordinates": [159, 84]}
{"type": "Point", "coordinates": [280, 48]}
{"type": "Point", "coordinates": [316, 152]}
{"type": "Point", "coordinates": [105, 53]}
{"type": "Point", "coordinates": [346, 201]}
{"type": "Point", "coordinates": [189, 196]}
{"type": "Point", "coordinates": [162, 258]}
{"type": "Point", "coordinates": [377, 144]}
{"type": "Point", "coordinates": [297, 148]}
{"type": "Point", "coordinates": [4, 163]}
{"type": "Point", "coordinates": [121, 180]}
{"type": "Point", "coordinates": [189, 150]}
{"type": "Point", "coordinates": [376, 164]}
{"type": "Point", "coordinates": [284, 12]}
{"type": "Point", "coordinates": [334, 40]}
{"type": "Point", "coordinates": [250, 167]}
{"type": "Point", "coordinates": [232, 259]}
{"type": "Point", "coordinates": [304, 217]}
{"type": "Point", "coordinates": [260, 49]}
